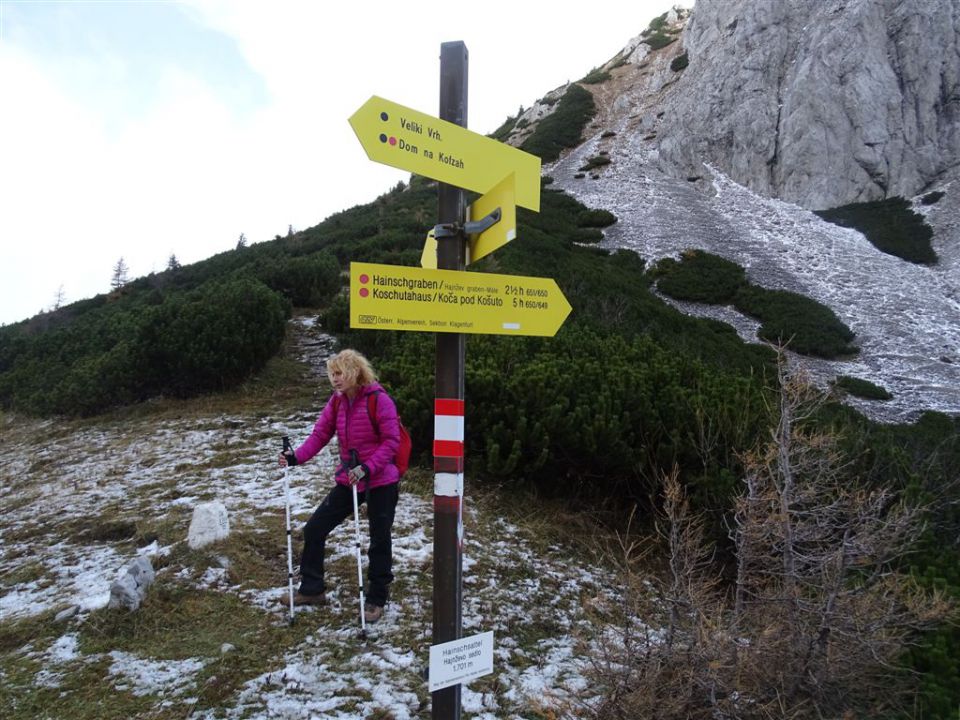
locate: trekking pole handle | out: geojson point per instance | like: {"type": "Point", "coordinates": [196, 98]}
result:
{"type": "Point", "coordinates": [286, 443]}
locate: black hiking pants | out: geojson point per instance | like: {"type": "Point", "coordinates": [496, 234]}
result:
{"type": "Point", "coordinates": [335, 508]}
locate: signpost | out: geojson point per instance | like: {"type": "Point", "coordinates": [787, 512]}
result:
{"type": "Point", "coordinates": [440, 297]}
{"type": "Point", "coordinates": [450, 361]}
{"type": "Point", "coordinates": [393, 297]}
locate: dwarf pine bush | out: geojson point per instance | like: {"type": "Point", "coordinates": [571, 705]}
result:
{"type": "Point", "coordinates": [862, 388]}
{"type": "Point", "coordinates": [564, 126]}
{"type": "Point", "coordinates": [700, 277]}
{"type": "Point", "coordinates": [805, 325]}
{"type": "Point", "coordinates": [891, 225]}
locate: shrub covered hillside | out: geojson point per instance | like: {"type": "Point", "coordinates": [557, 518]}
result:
{"type": "Point", "coordinates": [195, 329]}
{"type": "Point", "coordinates": [626, 386]}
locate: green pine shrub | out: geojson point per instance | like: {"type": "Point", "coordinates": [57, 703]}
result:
{"type": "Point", "coordinates": [595, 77]}
{"type": "Point", "coordinates": [809, 327]}
{"type": "Point", "coordinates": [862, 388]}
{"type": "Point", "coordinates": [659, 40]}
{"type": "Point", "coordinates": [210, 339]}
{"type": "Point", "coordinates": [305, 281]}
{"type": "Point", "coordinates": [147, 344]}
{"type": "Point", "coordinates": [804, 325]}
{"type": "Point", "coordinates": [587, 414]}
{"type": "Point", "coordinates": [891, 225]}
{"type": "Point", "coordinates": [98, 381]}
{"type": "Point", "coordinates": [564, 126]}
{"type": "Point", "coordinates": [503, 132]}
{"type": "Point", "coordinates": [595, 218]}
{"type": "Point", "coordinates": [700, 277]}
{"type": "Point", "coordinates": [49, 367]}
{"type": "Point", "coordinates": [930, 451]}
{"type": "Point", "coordinates": [918, 461]}
{"type": "Point", "coordinates": [680, 62]}
{"type": "Point", "coordinates": [658, 24]}
{"type": "Point", "coordinates": [595, 162]}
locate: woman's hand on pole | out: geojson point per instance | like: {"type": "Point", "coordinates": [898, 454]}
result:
{"type": "Point", "coordinates": [358, 473]}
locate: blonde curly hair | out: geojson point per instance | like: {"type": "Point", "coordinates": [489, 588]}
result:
{"type": "Point", "coordinates": [353, 365]}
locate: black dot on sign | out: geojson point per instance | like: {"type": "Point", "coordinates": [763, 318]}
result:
{"type": "Point", "coordinates": [384, 116]}
{"type": "Point", "coordinates": [383, 138]}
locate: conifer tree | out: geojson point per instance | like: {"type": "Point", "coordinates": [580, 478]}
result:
{"type": "Point", "coordinates": [120, 275]}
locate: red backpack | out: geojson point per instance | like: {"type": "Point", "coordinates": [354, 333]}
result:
{"type": "Point", "coordinates": [402, 458]}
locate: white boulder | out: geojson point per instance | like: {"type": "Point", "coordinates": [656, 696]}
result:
{"type": "Point", "coordinates": [209, 524]}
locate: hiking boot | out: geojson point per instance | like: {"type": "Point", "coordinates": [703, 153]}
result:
{"type": "Point", "coordinates": [372, 613]}
{"type": "Point", "coordinates": [299, 599]}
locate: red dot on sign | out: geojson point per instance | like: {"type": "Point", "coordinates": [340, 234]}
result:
{"type": "Point", "coordinates": [364, 278]}
{"type": "Point", "coordinates": [364, 292]}
{"type": "Point", "coordinates": [393, 140]}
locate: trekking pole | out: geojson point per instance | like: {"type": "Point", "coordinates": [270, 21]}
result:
{"type": "Point", "coordinates": [286, 493]}
{"type": "Point", "coordinates": [356, 525]}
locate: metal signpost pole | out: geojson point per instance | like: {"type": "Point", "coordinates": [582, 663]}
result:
{"type": "Point", "coordinates": [451, 350]}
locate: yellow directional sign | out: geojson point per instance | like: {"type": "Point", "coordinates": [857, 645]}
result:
{"type": "Point", "coordinates": [410, 140]}
{"type": "Point", "coordinates": [502, 196]}
{"type": "Point", "coordinates": [503, 231]}
{"type": "Point", "coordinates": [428, 258]}
{"type": "Point", "coordinates": [392, 297]}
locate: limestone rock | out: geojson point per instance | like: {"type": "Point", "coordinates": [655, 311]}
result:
{"type": "Point", "coordinates": [130, 588]}
{"type": "Point", "coordinates": [66, 613]}
{"type": "Point", "coordinates": [819, 102]}
{"type": "Point", "coordinates": [209, 524]}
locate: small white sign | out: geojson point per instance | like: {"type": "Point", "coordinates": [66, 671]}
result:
{"type": "Point", "coordinates": [460, 661]}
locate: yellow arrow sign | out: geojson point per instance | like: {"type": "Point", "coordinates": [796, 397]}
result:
{"type": "Point", "coordinates": [392, 297]}
{"type": "Point", "coordinates": [503, 231]}
{"type": "Point", "coordinates": [428, 258]}
{"type": "Point", "coordinates": [410, 140]}
{"type": "Point", "coordinates": [502, 196]}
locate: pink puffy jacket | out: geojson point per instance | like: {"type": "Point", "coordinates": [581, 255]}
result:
{"type": "Point", "coordinates": [350, 420]}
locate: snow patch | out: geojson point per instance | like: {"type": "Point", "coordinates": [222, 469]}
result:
{"type": "Point", "coordinates": [144, 676]}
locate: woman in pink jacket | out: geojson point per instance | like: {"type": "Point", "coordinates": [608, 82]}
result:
{"type": "Point", "coordinates": [368, 433]}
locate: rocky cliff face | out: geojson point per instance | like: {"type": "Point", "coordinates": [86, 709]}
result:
{"type": "Point", "coordinates": [787, 106]}
{"type": "Point", "coordinates": [819, 102]}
